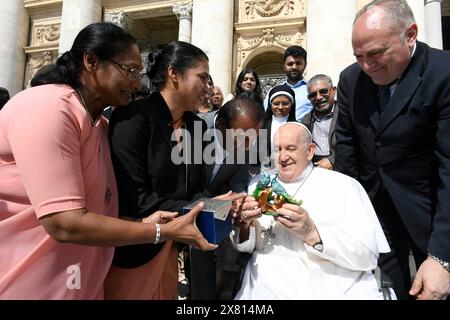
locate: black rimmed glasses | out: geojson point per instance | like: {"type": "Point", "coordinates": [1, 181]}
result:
{"type": "Point", "coordinates": [323, 92]}
{"type": "Point", "coordinates": [133, 73]}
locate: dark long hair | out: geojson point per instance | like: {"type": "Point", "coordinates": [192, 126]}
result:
{"type": "Point", "coordinates": [241, 77]}
{"type": "Point", "coordinates": [4, 97]}
{"type": "Point", "coordinates": [105, 40]}
{"type": "Point", "coordinates": [257, 93]}
{"type": "Point", "coordinates": [178, 54]}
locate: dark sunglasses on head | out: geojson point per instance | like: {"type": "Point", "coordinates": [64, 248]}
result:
{"type": "Point", "coordinates": [322, 92]}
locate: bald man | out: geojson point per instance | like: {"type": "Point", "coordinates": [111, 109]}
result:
{"type": "Point", "coordinates": [392, 135]}
{"type": "Point", "coordinates": [324, 249]}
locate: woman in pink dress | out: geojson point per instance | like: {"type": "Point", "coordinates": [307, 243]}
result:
{"type": "Point", "coordinates": [58, 195]}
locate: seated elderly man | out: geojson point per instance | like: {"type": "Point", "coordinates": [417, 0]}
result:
{"type": "Point", "coordinates": [324, 249]}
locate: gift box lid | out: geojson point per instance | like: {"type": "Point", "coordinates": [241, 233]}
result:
{"type": "Point", "coordinates": [220, 208]}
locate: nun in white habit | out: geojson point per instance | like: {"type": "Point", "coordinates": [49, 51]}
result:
{"type": "Point", "coordinates": [281, 110]}
{"type": "Point", "coordinates": [324, 249]}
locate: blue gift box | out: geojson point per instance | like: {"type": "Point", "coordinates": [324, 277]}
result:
{"type": "Point", "coordinates": [214, 222]}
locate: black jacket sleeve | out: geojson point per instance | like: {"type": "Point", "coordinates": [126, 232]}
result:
{"type": "Point", "coordinates": [346, 148]}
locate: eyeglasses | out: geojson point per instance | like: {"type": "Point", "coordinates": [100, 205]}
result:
{"type": "Point", "coordinates": [323, 92]}
{"type": "Point", "coordinates": [133, 74]}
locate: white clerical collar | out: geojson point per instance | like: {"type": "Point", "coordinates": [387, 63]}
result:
{"type": "Point", "coordinates": [304, 174]}
{"type": "Point", "coordinates": [280, 119]}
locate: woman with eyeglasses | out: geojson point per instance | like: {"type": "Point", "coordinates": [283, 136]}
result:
{"type": "Point", "coordinates": [281, 110]}
{"type": "Point", "coordinates": [58, 195]}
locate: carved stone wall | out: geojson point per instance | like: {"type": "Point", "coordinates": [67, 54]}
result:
{"type": "Point", "coordinates": [45, 34]}
{"type": "Point", "coordinates": [265, 26]}
{"type": "Point", "coordinates": [43, 46]}
{"type": "Point", "coordinates": [120, 18]}
{"type": "Point", "coordinates": [249, 46]}
{"type": "Point", "coordinates": [253, 10]}
{"type": "Point", "coordinates": [148, 22]}
{"type": "Point", "coordinates": [261, 26]}
{"type": "Point", "coordinates": [37, 60]}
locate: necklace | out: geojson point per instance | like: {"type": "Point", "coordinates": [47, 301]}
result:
{"type": "Point", "coordinates": [268, 235]}
{"type": "Point", "coordinates": [85, 107]}
{"type": "Point", "coordinates": [303, 182]}
{"type": "Point", "coordinates": [108, 192]}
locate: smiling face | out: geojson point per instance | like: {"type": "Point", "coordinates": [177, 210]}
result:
{"type": "Point", "coordinates": [321, 95]}
{"type": "Point", "coordinates": [292, 151]}
{"type": "Point", "coordinates": [193, 85]}
{"type": "Point", "coordinates": [381, 51]}
{"type": "Point", "coordinates": [281, 105]}
{"type": "Point", "coordinates": [114, 85]}
{"type": "Point", "coordinates": [249, 82]}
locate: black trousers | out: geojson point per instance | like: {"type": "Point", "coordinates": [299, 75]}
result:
{"type": "Point", "coordinates": [203, 275]}
{"type": "Point", "coordinates": [210, 280]}
{"type": "Point", "coordinates": [394, 265]}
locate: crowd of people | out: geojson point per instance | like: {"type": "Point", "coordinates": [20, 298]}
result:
{"type": "Point", "coordinates": [95, 170]}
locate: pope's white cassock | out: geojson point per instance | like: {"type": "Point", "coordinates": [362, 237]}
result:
{"type": "Point", "coordinates": [284, 267]}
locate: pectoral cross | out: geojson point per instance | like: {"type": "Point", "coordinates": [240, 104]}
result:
{"type": "Point", "coordinates": [267, 235]}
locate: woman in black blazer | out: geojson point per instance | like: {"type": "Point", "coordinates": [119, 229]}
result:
{"type": "Point", "coordinates": [156, 168]}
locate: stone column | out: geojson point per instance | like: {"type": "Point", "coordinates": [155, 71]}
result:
{"type": "Point", "coordinates": [212, 31]}
{"type": "Point", "coordinates": [183, 12]}
{"type": "Point", "coordinates": [433, 23]}
{"type": "Point", "coordinates": [328, 36]}
{"type": "Point", "coordinates": [418, 9]}
{"type": "Point", "coordinates": [14, 28]}
{"type": "Point", "coordinates": [75, 16]}
{"type": "Point", "coordinates": [120, 18]}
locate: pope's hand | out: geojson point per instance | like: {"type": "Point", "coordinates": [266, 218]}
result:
{"type": "Point", "coordinates": [247, 212]}
{"type": "Point", "coordinates": [297, 220]}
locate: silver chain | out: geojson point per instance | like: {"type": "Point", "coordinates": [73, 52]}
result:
{"type": "Point", "coordinates": [303, 182]}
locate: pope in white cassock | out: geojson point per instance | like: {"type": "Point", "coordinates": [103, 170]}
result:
{"type": "Point", "coordinates": [324, 249]}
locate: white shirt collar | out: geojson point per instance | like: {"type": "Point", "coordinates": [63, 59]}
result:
{"type": "Point", "coordinates": [220, 153]}
{"type": "Point", "coordinates": [302, 176]}
{"type": "Point", "coordinates": [414, 49]}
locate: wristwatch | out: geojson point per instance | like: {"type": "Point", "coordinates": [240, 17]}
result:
{"type": "Point", "coordinates": [444, 264]}
{"type": "Point", "coordinates": [318, 246]}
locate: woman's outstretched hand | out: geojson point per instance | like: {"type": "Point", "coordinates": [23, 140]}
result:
{"type": "Point", "coordinates": [183, 229]}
